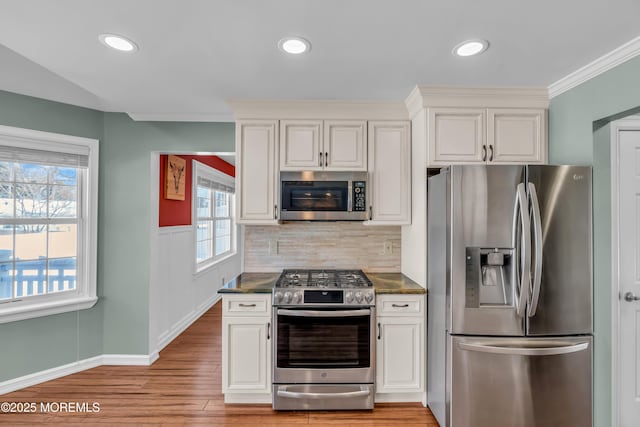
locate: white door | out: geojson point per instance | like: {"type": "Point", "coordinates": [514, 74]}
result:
{"type": "Point", "coordinates": [629, 276]}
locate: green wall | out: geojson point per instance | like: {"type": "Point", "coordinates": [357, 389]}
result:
{"type": "Point", "coordinates": [118, 323]}
{"type": "Point", "coordinates": [573, 139]}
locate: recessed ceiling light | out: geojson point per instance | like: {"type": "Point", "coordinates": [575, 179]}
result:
{"type": "Point", "coordinates": [294, 45]}
{"type": "Point", "coordinates": [118, 42]}
{"type": "Point", "coordinates": [471, 47]}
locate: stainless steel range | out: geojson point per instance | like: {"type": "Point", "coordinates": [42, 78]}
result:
{"type": "Point", "coordinates": [324, 332]}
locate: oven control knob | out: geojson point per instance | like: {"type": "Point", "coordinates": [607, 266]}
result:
{"type": "Point", "coordinates": [297, 296]}
{"type": "Point", "coordinates": [287, 297]}
{"type": "Point", "coordinates": [359, 297]}
{"type": "Point", "coordinates": [369, 297]}
{"type": "Point", "coordinates": [348, 297]}
{"type": "Point", "coordinates": [277, 297]}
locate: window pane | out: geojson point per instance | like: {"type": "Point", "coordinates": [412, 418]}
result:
{"type": "Point", "coordinates": [203, 203]}
{"type": "Point", "coordinates": [25, 172]}
{"type": "Point", "coordinates": [203, 250]}
{"type": "Point", "coordinates": [223, 227]}
{"type": "Point", "coordinates": [31, 241]}
{"type": "Point", "coordinates": [6, 279]}
{"type": "Point", "coordinates": [64, 176]}
{"type": "Point", "coordinates": [222, 204]}
{"type": "Point", "coordinates": [223, 236]}
{"type": "Point", "coordinates": [63, 241]}
{"type": "Point", "coordinates": [31, 277]}
{"type": "Point", "coordinates": [6, 200]}
{"type": "Point", "coordinates": [61, 274]}
{"type": "Point", "coordinates": [204, 230]}
{"type": "Point", "coordinates": [6, 171]}
{"type": "Point", "coordinates": [63, 201]}
{"type": "Point", "coordinates": [31, 201]}
{"type": "Point", "coordinates": [223, 244]}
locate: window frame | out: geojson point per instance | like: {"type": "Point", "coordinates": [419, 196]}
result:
{"type": "Point", "coordinates": [211, 174]}
{"type": "Point", "coordinates": [85, 294]}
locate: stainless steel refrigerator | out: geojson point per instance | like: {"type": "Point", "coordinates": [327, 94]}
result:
{"type": "Point", "coordinates": [509, 329]}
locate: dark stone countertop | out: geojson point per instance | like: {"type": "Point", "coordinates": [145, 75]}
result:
{"type": "Point", "coordinates": [383, 283]}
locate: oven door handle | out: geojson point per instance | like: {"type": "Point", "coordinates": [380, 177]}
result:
{"type": "Point", "coordinates": [299, 395]}
{"type": "Point", "coordinates": [328, 313]}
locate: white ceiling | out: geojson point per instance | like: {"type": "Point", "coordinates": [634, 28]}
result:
{"type": "Point", "coordinates": [194, 54]}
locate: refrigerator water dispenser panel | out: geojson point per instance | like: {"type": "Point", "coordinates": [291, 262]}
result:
{"type": "Point", "coordinates": [489, 277]}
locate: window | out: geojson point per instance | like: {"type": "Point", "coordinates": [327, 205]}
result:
{"type": "Point", "coordinates": [48, 223]}
{"type": "Point", "coordinates": [213, 218]}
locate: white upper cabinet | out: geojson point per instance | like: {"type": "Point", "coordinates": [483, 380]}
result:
{"type": "Point", "coordinates": [481, 125]}
{"type": "Point", "coordinates": [389, 172]}
{"type": "Point", "coordinates": [256, 171]}
{"type": "Point", "coordinates": [336, 145]}
{"type": "Point", "coordinates": [516, 135]}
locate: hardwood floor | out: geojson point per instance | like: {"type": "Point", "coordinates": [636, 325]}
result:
{"type": "Point", "coordinates": [182, 388]}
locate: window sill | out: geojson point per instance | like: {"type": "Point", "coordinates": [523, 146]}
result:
{"type": "Point", "coordinates": [30, 311]}
{"type": "Point", "coordinates": [201, 269]}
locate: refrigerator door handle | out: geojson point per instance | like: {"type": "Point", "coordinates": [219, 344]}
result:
{"type": "Point", "coordinates": [516, 348]}
{"type": "Point", "coordinates": [522, 213]}
{"type": "Point", "coordinates": [537, 268]}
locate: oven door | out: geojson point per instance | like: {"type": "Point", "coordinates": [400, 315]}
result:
{"type": "Point", "coordinates": [324, 345]}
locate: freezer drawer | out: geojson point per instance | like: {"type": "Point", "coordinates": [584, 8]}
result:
{"type": "Point", "coordinates": [521, 382]}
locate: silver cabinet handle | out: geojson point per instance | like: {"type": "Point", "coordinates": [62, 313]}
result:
{"type": "Point", "coordinates": [370, 212]}
{"type": "Point", "coordinates": [320, 160]}
{"type": "Point", "coordinates": [490, 152]}
{"type": "Point", "coordinates": [516, 349]}
{"type": "Point", "coordinates": [630, 297]}
{"type": "Point", "coordinates": [484, 153]}
{"type": "Point", "coordinates": [246, 305]}
{"type": "Point", "coordinates": [400, 305]}
{"type": "Point", "coordinates": [268, 330]}
{"type": "Point", "coordinates": [275, 211]}
{"type": "Point", "coordinates": [326, 159]}
{"type": "Point", "coordinates": [537, 268]}
{"type": "Point", "coordinates": [299, 395]}
{"type": "Point", "coordinates": [379, 330]}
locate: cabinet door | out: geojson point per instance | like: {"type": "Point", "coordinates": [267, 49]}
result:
{"type": "Point", "coordinates": [399, 355]}
{"type": "Point", "coordinates": [256, 172]}
{"type": "Point", "coordinates": [345, 145]}
{"type": "Point", "coordinates": [246, 355]}
{"type": "Point", "coordinates": [456, 135]}
{"type": "Point", "coordinates": [389, 192]}
{"type": "Point", "coordinates": [516, 136]}
{"type": "Point", "coordinates": [300, 145]}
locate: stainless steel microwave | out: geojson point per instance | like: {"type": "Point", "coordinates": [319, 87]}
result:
{"type": "Point", "coordinates": [323, 196]}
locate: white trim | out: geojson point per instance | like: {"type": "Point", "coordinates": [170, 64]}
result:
{"type": "Point", "coordinates": [317, 109]}
{"type": "Point", "coordinates": [39, 309]}
{"type": "Point", "coordinates": [182, 117]}
{"type": "Point", "coordinates": [616, 127]}
{"type": "Point", "coordinates": [606, 62]}
{"type": "Point", "coordinates": [182, 325]}
{"type": "Point", "coordinates": [400, 397]}
{"type": "Point", "coordinates": [248, 398]}
{"type": "Point", "coordinates": [75, 367]}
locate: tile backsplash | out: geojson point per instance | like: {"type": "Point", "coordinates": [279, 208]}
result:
{"type": "Point", "coordinates": [321, 245]}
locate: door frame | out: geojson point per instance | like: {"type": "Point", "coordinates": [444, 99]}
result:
{"type": "Point", "coordinates": [616, 127]}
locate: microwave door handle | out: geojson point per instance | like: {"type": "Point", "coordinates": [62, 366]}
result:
{"type": "Point", "coordinates": [537, 268]}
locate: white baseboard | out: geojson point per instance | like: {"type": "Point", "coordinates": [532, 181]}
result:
{"type": "Point", "coordinates": [247, 398]}
{"type": "Point", "coordinates": [166, 337]}
{"type": "Point", "coordinates": [75, 367]}
{"type": "Point", "coordinates": [400, 397]}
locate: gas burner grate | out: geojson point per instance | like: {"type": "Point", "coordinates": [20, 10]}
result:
{"type": "Point", "coordinates": [323, 279]}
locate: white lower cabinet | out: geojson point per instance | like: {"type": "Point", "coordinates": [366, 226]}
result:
{"type": "Point", "coordinates": [400, 352]}
{"type": "Point", "coordinates": [246, 348]}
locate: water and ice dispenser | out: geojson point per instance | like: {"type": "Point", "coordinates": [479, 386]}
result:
{"type": "Point", "coordinates": [489, 277]}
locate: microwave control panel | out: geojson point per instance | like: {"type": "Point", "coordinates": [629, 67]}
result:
{"type": "Point", "coordinates": [359, 196]}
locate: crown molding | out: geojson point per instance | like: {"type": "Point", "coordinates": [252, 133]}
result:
{"type": "Point", "coordinates": [318, 109]}
{"type": "Point", "coordinates": [606, 62]}
{"type": "Point", "coordinates": [181, 117]}
{"type": "Point", "coordinates": [476, 97]}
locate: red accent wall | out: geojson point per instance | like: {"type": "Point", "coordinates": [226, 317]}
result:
{"type": "Point", "coordinates": [178, 212]}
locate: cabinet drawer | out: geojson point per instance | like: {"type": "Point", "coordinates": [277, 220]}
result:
{"type": "Point", "coordinates": [246, 305]}
{"type": "Point", "coordinates": [400, 305]}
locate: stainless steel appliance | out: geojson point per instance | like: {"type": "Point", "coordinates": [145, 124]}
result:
{"type": "Point", "coordinates": [323, 340]}
{"type": "Point", "coordinates": [510, 296]}
{"type": "Point", "coordinates": [323, 196]}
